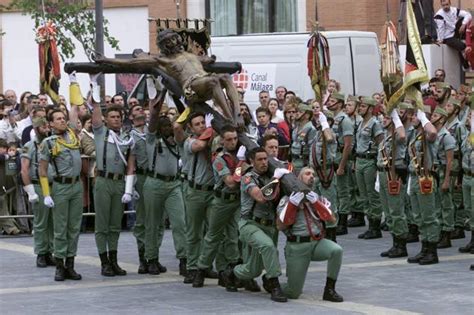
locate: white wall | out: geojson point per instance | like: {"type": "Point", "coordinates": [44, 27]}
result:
{"type": "Point", "coordinates": [20, 51]}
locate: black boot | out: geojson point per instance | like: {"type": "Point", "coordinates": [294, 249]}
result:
{"type": "Point", "coordinates": [50, 260]}
{"type": "Point", "coordinates": [413, 233]}
{"type": "Point", "coordinates": [431, 256]}
{"type": "Point", "coordinates": [266, 284]}
{"type": "Point", "coordinates": [331, 234]}
{"type": "Point", "coordinates": [198, 281]}
{"type": "Point", "coordinates": [113, 262]}
{"type": "Point", "coordinates": [416, 259]}
{"type": "Point", "coordinates": [221, 280]}
{"type": "Point", "coordinates": [41, 261]}
{"type": "Point", "coordinates": [143, 265]}
{"type": "Point", "coordinates": [374, 230]}
{"type": "Point", "coordinates": [357, 219]}
{"type": "Point", "coordinates": [162, 268]}
{"type": "Point", "coordinates": [384, 225]}
{"type": "Point", "coordinates": [276, 291]}
{"type": "Point", "coordinates": [387, 252]}
{"type": "Point", "coordinates": [445, 240]}
{"type": "Point", "coordinates": [182, 266]}
{"type": "Point", "coordinates": [230, 280]}
{"type": "Point", "coordinates": [106, 268]}
{"type": "Point", "coordinates": [330, 293]}
{"type": "Point", "coordinates": [211, 274]}
{"type": "Point", "coordinates": [472, 267]}
{"type": "Point", "coordinates": [60, 274]}
{"type": "Point", "coordinates": [469, 248]}
{"type": "Point", "coordinates": [189, 276]}
{"type": "Point", "coordinates": [342, 225]}
{"type": "Point", "coordinates": [251, 285]}
{"type": "Point", "coordinates": [153, 268]}
{"type": "Point", "coordinates": [70, 272]}
{"type": "Point", "coordinates": [458, 233]}
{"type": "Point", "coordinates": [400, 249]}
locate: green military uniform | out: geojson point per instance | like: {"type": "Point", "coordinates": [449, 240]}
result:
{"type": "Point", "coordinates": [43, 226]}
{"type": "Point", "coordinates": [302, 138]}
{"type": "Point", "coordinates": [468, 189]}
{"type": "Point", "coordinates": [162, 190]}
{"type": "Point", "coordinates": [410, 133]}
{"type": "Point", "coordinates": [357, 203]}
{"type": "Point", "coordinates": [301, 248]}
{"type": "Point", "coordinates": [66, 193]}
{"type": "Point", "coordinates": [109, 188]}
{"type": "Point", "coordinates": [199, 195]}
{"type": "Point", "coordinates": [366, 153]}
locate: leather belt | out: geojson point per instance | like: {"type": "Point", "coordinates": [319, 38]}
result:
{"type": "Point", "coordinates": [112, 176]}
{"type": "Point", "coordinates": [262, 221]}
{"type": "Point", "coordinates": [163, 177]}
{"type": "Point", "coordinates": [141, 171]}
{"type": "Point", "coordinates": [468, 173]}
{"type": "Point", "coordinates": [66, 180]}
{"type": "Point", "coordinates": [367, 156]}
{"type": "Point", "coordinates": [183, 176]}
{"type": "Point", "coordinates": [193, 185]}
{"type": "Point", "coordinates": [37, 182]}
{"type": "Point", "coordinates": [299, 239]}
{"type": "Point", "coordinates": [226, 196]}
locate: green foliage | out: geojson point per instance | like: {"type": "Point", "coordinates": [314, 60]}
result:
{"type": "Point", "coordinates": [72, 18]}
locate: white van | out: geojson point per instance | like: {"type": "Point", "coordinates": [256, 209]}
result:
{"type": "Point", "coordinates": [270, 60]}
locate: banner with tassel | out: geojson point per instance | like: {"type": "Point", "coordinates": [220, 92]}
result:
{"type": "Point", "coordinates": [50, 71]}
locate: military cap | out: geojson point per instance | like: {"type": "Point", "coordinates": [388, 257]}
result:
{"type": "Point", "coordinates": [427, 109]}
{"type": "Point", "coordinates": [39, 121]}
{"type": "Point", "coordinates": [442, 85]}
{"type": "Point", "coordinates": [405, 105]}
{"type": "Point", "coordinates": [338, 96]}
{"type": "Point", "coordinates": [329, 114]}
{"type": "Point", "coordinates": [454, 101]}
{"type": "Point", "coordinates": [353, 98]}
{"type": "Point", "coordinates": [368, 101]}
{"type": "Point", "coordinates": [302, 107]}
{"type": "Point", "coordinates": [466, 89]}
{"type": "Point", "coordinates": [440, 111]}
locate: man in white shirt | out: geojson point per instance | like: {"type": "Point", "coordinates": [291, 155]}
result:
{"type": "Point", "coordinates": [451, 23]}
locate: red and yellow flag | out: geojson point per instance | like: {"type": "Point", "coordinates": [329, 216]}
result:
{"type": "Point", "coordinates": [50, 71]}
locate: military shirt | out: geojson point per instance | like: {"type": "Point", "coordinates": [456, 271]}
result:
{"type": "Point", "coordinates": [139, 148]}
{"type": "Point", "coordinates": [114, 163]}
{"type": "Point", "coordinates": [366, 134]}
{"type": "Point", "coordinates": [247, 203]}
{"type": "Point", "coordinates": [222, 169]}
{"type": "Point", "coordinates": [466, 149]}
{"type": "Point", "coordinates": [457, 130]}
{"type": "Point", "coordinates": [31, 152]}
{"type": "Point", "coordinates": [162, 159]}
{"type": "Point", "coordinates": [444, 142]}
{"type": "Point", "coordinates": [68, 161]}
{"type": "Point", "coordinates": [299, 228]}
{"type": "Point", "coordinates": [199, 166]}
{"type": "Point", "coordinates": [343, 126]}
{"type": "Point", "coordinates": [401, 150]}
{"type": "Point", "coordinates": [415, 146]}
{"type": "Point", "coordinates": [302, 138]}
{"type": "Point", "coordinates": [463, 114]}
{"type": "Point", "coordinates": [317, 150]}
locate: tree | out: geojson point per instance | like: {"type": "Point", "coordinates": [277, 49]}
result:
{"type": "Point", "coordinates": [73, 18]}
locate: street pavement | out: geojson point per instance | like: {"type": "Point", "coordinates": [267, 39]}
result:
{"type": "Point", "coordinates": [369, 284]}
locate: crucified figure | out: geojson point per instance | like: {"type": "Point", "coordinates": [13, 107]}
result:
{"type": "Point", "coordinates": [187, 69]}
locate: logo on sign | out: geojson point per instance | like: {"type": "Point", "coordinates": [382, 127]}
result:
{"type": "Point", "coordinates": [257, 81]}
{"type": "Point", "coordinates": [241, 79]}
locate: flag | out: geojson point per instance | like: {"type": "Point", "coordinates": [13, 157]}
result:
{"type": "Point", "coordinates": [318, 63]}
{"type": "Point", "coordinates": [50, 72]}
{"type": "Point", "coordinates": [415, 67]}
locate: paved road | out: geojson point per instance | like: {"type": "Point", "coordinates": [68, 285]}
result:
{"type": "Point", "coordinates": [370, 284]}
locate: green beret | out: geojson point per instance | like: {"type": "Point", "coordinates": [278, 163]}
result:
{"type": "Point", "coordinates": [404, 105]}
{"type": "Point", "coordinates": [441, 111]}
{"type": "Point", "coordinates": [368, 101]}
{"type": "Point", "coordinates": [353, 98]}
{"type": "Point", "coordinates": [466, 89]}
{"type": "Point", "coordinates": [39, 121]}
{"type": "Point", "coordinates": [329, 114]}
{"type": "Point", "coordinates": [427, 109]}
{"type": "Point", "coordinates": [454, 101]}
{"type": "Point", "coordinates": [302, 107]}
{"type": "Point", "coordinates": [442, 85]}
{"type": "Point", "coordinates": [338, 96]}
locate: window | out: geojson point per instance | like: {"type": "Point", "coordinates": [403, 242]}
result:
{"type": "Point", "coordinates": [236, 17]}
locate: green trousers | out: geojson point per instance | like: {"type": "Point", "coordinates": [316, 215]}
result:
{"type": "Point", "coordinates": [461, 212]}
{"type": "Point", "coordinates": [198, 204]}
{"type": "Point", "coordinates": [67, 218]}
{"type": "Point", "coordinates": [161, 195]}
{"type": "Point", "coordinates": [222, 231]}
{"type": "Point", "coordinates": [366, 170]}
{"type": "Point", "coordinates": [139, 228]}
{"type": "Point", "coordinates": [263, 251]}
{"type": "Point", "coordinates": [424, 211]}
{"type": "Point", "coordinates": [43, 225]}
{"type": "Point", "coordinates": [108, 213]}
{"type": "Point", "coordinates": [395, 206]}
{"type": "Point", "coordinates": [356, 202]}
{"type": "Point", "coordinates": [468, 198]}
{"type": "Point", "coordinates": [299, 255]}
{"type": "Point", "coordinates": [330, 193]}
{"type": "Point", "coordinates": [344, 188]}
{"type": "Point", "coordinates": [445, 205]}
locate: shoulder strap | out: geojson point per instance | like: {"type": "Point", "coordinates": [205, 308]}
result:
{"type": "Point", "coordinates": [53, 158]}
{"type": "Point", "coordinates": [104, 160]}
{"type": "Point", "coordinates": [36, 161]}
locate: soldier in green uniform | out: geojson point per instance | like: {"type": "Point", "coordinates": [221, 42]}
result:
{"type": "Point", "coordinates": [446, 146]}
{"type": "Point", "coordinates": [300, 217]}
{"type": "Point", "coordinates": [257, 228]}
{"type": "Point", "coordinates": [368, 136]}
{"type": "Point", "coordinates": [468, 185]}
{"type": "Point", "coordinates": [302, 137]}
{"type": "Point", "coordinates": [114, 164]}
{"type": "Point", "coordinates": [62, 150]}
{"type": "Point", "coordinates": [464, 94]}
{"type": "Point", "coordinates": [421, 187]}
{"type": "Point", "coordinates": [343, 129]}
{"type": "Point", "coordinates": [392, 176]}
{"type": "Point", "coordinates": [43, 228]}
{"type": "Point", "coordinates": [458, 130]}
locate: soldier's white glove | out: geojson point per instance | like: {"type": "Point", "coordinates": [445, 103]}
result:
{"type": "Point", "coordinates": [129, 182]}
{"type": "Point", "coordinates": [208, 119]}
{"type": "Point", "coordinates": [48, 201]}
{"type": "Point", "coordinates": [150, 87]}
{"type": "Point", "coordinates": [296, 197]}
{"type": "Point", "coordinates": [422, 118]}
{"type": "Point", "coordinates": [280, 172]}
{"type": "Point", "coordinates": [323, 121]}
{"type": "Point", "coordinates": [72, 77]}
{"type": "Point", "coordinates": [32, 195]}
{"type": "Point", "coordinates": [396, 119]}
{"type": "Point", "coordinates": [241, 153]}
{"type": "Point", "coordinates": [312, 197]}
{"type": "Point", "coordinates": [95, 88]}
{"type": "Point", "coordinates": [180, 163]}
